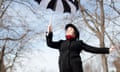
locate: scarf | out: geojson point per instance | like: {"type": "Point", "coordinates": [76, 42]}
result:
{"type": "Point", "coordinates": [70, 37]}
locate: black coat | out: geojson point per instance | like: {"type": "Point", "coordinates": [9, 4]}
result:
{"type": "Point", "coordinates": [69, 59]}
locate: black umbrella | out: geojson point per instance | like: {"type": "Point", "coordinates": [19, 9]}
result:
{"type": "Point", "coordinates": [64, 6]}
{"type": "Point", "coordinates": [67, 5]}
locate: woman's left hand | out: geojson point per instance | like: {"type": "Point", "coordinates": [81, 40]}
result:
{"type": "Point", "coordinates": [112, 48]}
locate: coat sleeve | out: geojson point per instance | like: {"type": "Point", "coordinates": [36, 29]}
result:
{"type": "Point", "coordinates": [92, 49]}
{"type": "Point", "coordinates": [50, 43]}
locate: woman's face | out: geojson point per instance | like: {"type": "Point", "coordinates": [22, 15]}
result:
{"type": "Point", "coordinates": [70, 31]}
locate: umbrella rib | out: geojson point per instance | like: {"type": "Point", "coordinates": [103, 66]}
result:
{"type": "Point", "coordinates": [66, 6]}
{"type": "Point", "coordinates": [52, 4]}
{"type": "Point", "coordinates": [38, 1]}
{"type": "Point", "coordinates": [75, 2]}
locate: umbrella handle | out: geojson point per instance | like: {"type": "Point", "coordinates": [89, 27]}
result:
{"type": "Point", "coordinates": [50, 21]}
{"type": "Point", "coordinates": [51, 17]}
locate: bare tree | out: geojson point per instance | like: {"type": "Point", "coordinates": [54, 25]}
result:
{"type": "Point", "coordinates": [96, 23]}
{"type": "Point", "coordinates": [13, 36]}
{"type": "Point", "coordinates": [2, 48]}
{"type": "Point", "coordinates": [115, 38]}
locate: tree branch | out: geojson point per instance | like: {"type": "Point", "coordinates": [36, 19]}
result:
{"type": "Point", "coordinates": [7, 38]}
{"type": "Point", "coordinates": [82, 9]}
{"type": "Point", "coordinates": [5, 9]}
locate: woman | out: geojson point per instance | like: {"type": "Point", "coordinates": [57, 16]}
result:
{"type": "Point", "coordinates": [70, 60]}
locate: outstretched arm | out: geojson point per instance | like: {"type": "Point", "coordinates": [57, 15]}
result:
{"type": "Point", "coordinates": [49, 36]}
{"type": "Point", "coordinates": [92, 49]}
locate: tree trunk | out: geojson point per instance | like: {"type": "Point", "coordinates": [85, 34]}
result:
{"type": "Point", "coordinates": [102, 35]}
{"type": "Point", "coordinates": [117, 64]}
{"type": "Point", "coordinates": [2, 66]}
{"type": "Point", "coordinates": [104, 62]}
{"type": "Point", "coordinates": [104, 59]}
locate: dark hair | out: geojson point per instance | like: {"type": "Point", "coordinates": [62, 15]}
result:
{"type": "Point", "coordinates": [76, 30]}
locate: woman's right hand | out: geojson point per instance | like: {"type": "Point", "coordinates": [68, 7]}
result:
{"type": "Point", "coordinates": [49, 28]}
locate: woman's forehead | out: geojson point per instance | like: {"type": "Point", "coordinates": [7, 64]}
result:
{"type": "Point", "coordinates": [70, 28]}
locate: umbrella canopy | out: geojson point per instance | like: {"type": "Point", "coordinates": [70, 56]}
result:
{"type": "Point", "coordinates": [64, 5]}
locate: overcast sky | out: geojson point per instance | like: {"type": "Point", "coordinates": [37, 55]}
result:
{"type": "Point", "coordinates": [42, 57]}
